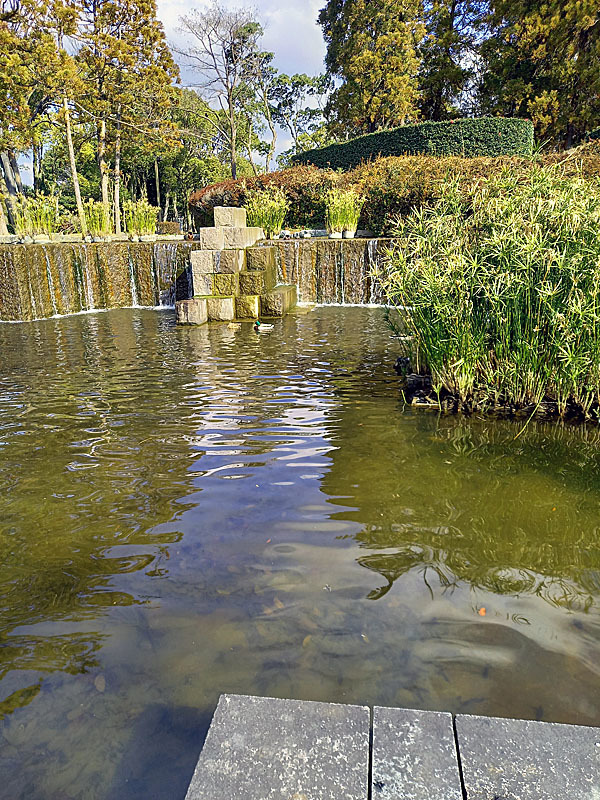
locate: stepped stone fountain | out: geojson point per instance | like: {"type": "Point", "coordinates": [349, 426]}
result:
{"type": "Point", "coordinates": [232, 277]}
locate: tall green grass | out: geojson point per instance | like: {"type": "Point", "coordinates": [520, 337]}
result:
{"type": "Point", "coordinates": [36, 215]}
{"type": "Point", "coordinates": [500, 291]}
{"type": "Point", "coordinates": [266, 209]}
{"type": "Point", "coordinates": [98, 217]}
{"type": "Point", "coordinates": [140, 217]}
{"type": "Point", "coordinates": [342, 210]}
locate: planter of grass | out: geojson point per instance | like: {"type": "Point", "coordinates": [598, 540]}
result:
{"type": "Point", "coordinates": [342, 212]}
{"type": "Point", "coordinates": [36, 218]}
{"type": "Point", "coordinates": [266, 209]}
{"type": "Point", "coordinates": [140, 220]}
{"type": "Point", "coordinates": [98, 220]}
{"type": "Point", "coordinates": [499, 291]}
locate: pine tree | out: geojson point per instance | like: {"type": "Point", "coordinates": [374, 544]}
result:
{"type": "Point", "coordinates": [372, 46]}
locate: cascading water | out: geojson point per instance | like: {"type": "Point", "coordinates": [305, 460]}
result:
{"type": "Point", "coordinates": [87, 285]}
{"type": "Point", "coordinates": [50, 282]}
{"type": "Point", "coordinates": [132, 284]}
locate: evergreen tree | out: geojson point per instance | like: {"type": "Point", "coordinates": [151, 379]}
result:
{"type": "Point", "coordinates": [449, 55]}
{"type": "Point", "coordinates": [372, 46]}
{"type": "Point", "coordinates": [543, 61]}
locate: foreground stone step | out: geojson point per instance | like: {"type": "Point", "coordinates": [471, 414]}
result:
{"type": "Point", "coordinates": [414, 756]}
{"type": "Point", "coordinates": [514, 759]}
{"type": "Point", "coordinates": [262, 258]}
{"type": "Point", "coordinates": [192, 312]}
{"type": "Point", "coordinates": [220, 309]}
{"type": "Point", "coordinates": [279, 301]}
{"type": "Point", "coordinates": [260, 748]}
{"type": "Point", "coordinates": [247, 306]}
{"type": "Point", "coordinates": [258, 281]}
{"type": "Point", "coordinates": [229, 217]}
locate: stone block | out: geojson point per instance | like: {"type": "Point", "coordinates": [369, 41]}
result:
{"type": "Point", "coordinates": [247, 306]}
{"type": "Point", "coordinates": [205, 261]}
{"type": "Point", "coordinates": [527, 760]}
{"type": "Point", "coordinates": [231, 261]}
{"type": "Point", "coordinates": [211, 238]}
{"type": "Point", "coordinates": [230, 217]}
{"type": "Point", "coordinates": [259, 748]}
{"type": "Point", "coordinates": [261, 258]}
{"type": "Point", "coordinates": [224, 284]}
{"type": "Point", "coordinates": [414, 756]}
{"type": "Point", "coordinates": [201, 284]}
{"type": "Point", "coordinates": [192, 312]}
{"type": "Point", "coordinates": [279, 301]}
{"type": "Point", "coordinates": [220, 308]}
{"type": "Point", "coordinates": [241, 237]}
{"type": "Point", "coordinates": [258, 282]}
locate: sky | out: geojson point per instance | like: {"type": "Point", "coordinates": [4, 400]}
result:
{"type": "Point", "coordinates": [291, 30]}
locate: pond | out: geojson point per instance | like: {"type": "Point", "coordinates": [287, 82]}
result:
{"type": "Point", "coordinates": [186, 512]}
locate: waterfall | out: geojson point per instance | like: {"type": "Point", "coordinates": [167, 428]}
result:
{"type": "Point", "coordinates": [50, 282]}
{"type": "Point", "coordinates": [166, 262]}
{"type": "Point", "coordinates": [374, 296]}
{"type": "Point", "coordinates": [341, 282]}
{"type": "Point", "coordinates": [132, 286]}
{"type": "Point", "coordinates": [87, 284]}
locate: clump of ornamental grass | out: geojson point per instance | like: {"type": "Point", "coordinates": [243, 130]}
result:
{"type": "Point", "coordinates": [97, 217]}
{"type": "Point", "coordinates": [36, 215]}
{"type": "Point", "coordinates": [140, 217]}
{"type": "Point", "coordinates": [499, 288]}
{"type": "Point", "coordinates": [342, 210]}
{"type": "Point", "coordinates": [266, 209]}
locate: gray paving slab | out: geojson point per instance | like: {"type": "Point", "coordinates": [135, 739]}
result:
{"type": "Point", "coordinates": [266, 749]}
{"type": "Point", "coordinates": [414, 756]}
{"type": "Point", "coordinates": [506, 759]}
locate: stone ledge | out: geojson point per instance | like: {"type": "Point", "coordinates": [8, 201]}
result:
{"type": "Point", "coordinates": [279, 301]}
{"type": "Point", "coordinates": [260, 748]}
{"type": "Point", "coordinates": [192, 312]}
{"type": "Point", "coordinates": [229, 217]}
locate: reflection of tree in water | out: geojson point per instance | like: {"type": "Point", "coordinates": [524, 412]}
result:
{"type": "Point", "coordinates": [465, 501]}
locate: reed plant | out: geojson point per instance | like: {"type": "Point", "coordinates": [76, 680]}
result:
{"type": "Point", "coordinates": [342, 210]}
{"type": "Point", "coordinates": [266, 209]}
{"type": "Point", "coordinates": [499, 290]}
{"type": "Point", "coordinates": [98, 218]}
{"type": "Point", "coordinates": [36, 215]}
{"type": "Point", "coordinates": [140, 217]}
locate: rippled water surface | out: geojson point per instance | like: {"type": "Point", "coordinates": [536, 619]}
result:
{"type": "Point", "coordinates": [188, 512]}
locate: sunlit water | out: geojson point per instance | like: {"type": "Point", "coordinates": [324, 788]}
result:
{"type": "Point", "coordinates": [186, 512]}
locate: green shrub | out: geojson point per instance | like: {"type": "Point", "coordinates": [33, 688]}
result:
{"type": "Point", "coordinates": [98, 218]}
{"type": "Point", "coordinates": [486, 136]}
{"type": "Point", "coordinates": [140, 217]}
{"type": "Point", "coordinates": [266, 209]}
{"type": "Point", "coordinates": [500, 290]}
{"type": "Point", "coordinates": [342, 210]}
{"type": "Point", "coordinates": [36, 215]}
{"type": "Point", "coordinates": [595, 134]}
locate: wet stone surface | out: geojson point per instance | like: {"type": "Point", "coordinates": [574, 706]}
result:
{"type": "Point", "coordinates": [508, 759]}
{"type": "Point", "coordinates": [266, 749]}
{"type": "Point", "coordinates": [414, 756]}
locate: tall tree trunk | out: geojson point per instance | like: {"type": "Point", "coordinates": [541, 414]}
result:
{"type": "Point", "coordinates": [232, 140]}
{"type": "Point", "coordinates": [5, 199]}
{"type": "Point", "coordinates": [102, 165]}
{"type": "Point", "coordinates": [3, 225]}
{"type": "Point", "coordinates": [35, 158]}
{"type": "Point", "coordinates": [167, 204]}
{"type": "Point", "coordinates": [157, 182]}
{"type": "Point", "coordinates": [9, 185]}
{"type": "Point", "coordinates": [117, 198]}
{"type": "Point", "coordinates": [249, 148]}
{"type": "Point", "coordinates": [74, 175]}
{"type": "Point", "coordinates": [16, 172]}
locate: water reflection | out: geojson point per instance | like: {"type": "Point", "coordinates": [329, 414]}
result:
{"type": "Point", "coordinates": [188, 512]}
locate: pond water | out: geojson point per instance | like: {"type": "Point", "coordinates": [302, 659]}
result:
{"type": "Point", "coordinates": [185, 512]}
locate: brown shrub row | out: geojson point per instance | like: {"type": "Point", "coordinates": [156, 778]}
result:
{"type": "Point", "coordinates": [391, 186]}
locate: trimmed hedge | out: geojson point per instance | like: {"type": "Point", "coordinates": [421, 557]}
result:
{"type": "Point", "coordinates": [468, 138]}
{"type": "Point", "coordinates": [392, 186]}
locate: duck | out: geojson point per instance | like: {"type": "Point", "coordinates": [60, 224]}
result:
{"type": "Point", "coordinates": [260, 327]}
